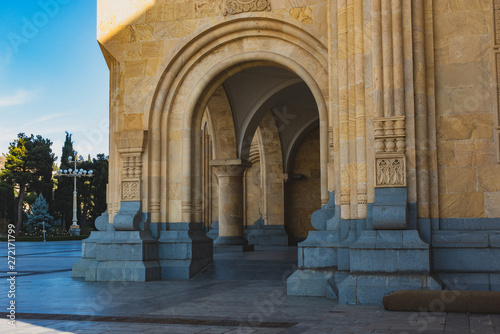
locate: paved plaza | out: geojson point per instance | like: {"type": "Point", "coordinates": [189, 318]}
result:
{"type": "Point", "coordinates": [240, 293]}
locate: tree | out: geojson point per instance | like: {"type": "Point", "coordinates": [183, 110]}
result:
{"type": "Point", "coordinates": [63, 195]}
{"type": "Point", "coordinates": [7, 205]}
{"type": "Point", "coordinates": [16, 172]}
{"type": "Point", "coordinates": [100, 182]}
{"type": "Point", "coordinates": [40, 161]}
{"type": "Point", "coordinates": [92, 191]}
{"type": "Point", "coordinates": [39, 215]}
{"type": "Point", "coordinates": [26, 168]}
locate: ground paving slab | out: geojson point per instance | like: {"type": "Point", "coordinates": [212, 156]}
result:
{"type": "Point", "coordinates": [239, 293]}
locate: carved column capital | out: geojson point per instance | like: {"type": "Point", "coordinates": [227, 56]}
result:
{"type": "Point", "coordinates": [230, 167]}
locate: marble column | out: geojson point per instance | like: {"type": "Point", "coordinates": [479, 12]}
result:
{"type": "Point", "coordinates": [230, 176]}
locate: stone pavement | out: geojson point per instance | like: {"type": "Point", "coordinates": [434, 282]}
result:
{"type": "Point", "coordinates": [240, 293]}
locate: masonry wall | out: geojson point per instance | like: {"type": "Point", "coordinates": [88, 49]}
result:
{"type": "Point", "coordinates": [303, 196]}
{"type": "Point", "coordinates": [469, 173]}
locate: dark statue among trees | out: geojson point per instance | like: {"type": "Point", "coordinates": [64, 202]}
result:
{"type": "Point", "coordinates": [29, 194]}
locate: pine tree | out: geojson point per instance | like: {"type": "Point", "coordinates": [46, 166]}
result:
{"type": "Point", "coordinates": [63, 195]}
{"type": "Point", "coordinates": [39, 215]}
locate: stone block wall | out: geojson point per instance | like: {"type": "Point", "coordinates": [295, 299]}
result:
{"type": "Point", "coordinates": [467, 112]}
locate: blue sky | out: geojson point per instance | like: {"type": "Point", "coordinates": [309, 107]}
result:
{"type": "Point", "coordinates": [53, 77]}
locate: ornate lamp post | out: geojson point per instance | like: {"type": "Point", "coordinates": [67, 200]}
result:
{"type": "Point", "coordinates": [75, 173]}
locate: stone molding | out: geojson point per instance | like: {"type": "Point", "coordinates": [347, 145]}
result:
{"type": "Point", "coordinates": [229, 170]}
{"type": "Point", "coordinates": [390, 147]}
{"type": "Point", "coordinates": [131, 144]}
{"type": "Point", "coordinates": [496, 72]}
{"type": "Point", "coordinates": [232, 7]}
{"type": "Point", "coordinates": [229, 167]}
{"type": "Point", "coordinates": [390, 134]}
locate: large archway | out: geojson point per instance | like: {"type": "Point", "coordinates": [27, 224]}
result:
{"type": "Point", "coordinates": [191, 77]}
{"type": "Point", "coordinates": [269, 110]}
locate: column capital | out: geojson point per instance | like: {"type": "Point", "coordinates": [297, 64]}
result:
{"type": "Point", "coordinates": [229, 167]}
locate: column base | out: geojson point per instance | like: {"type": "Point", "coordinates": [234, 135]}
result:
{"type": "Point", "coordinates": [269, 235]}
{"type": "Point", "coordinates": [370, 289]}
{"type": "Point", "coordinates": [213, 233]}
{"type": "Point", "coordinates": [88, 259]}
{"type": "Point", "coordinates": [232, 248]}
{"type": "Point", "coordinates": [184, 250]}
{"type": "Point", "coordinates": [129, 256]}
{"type": "Point", "coordinates": [87, 264]}
{"type": "Point", "coordinates": [232, 244]}
{"type": "Point", "coordinates": [319, 250]}
{"type": "Point", "coordinates": [310, 283]}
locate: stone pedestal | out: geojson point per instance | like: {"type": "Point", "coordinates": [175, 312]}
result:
{"type": "Point", "coordinates": [383, 262]}
{"type": "Point", "coordinates": [184, 250]}
{"type": "Point", "coordinates": [130, 256]}
{"type": "Point", "coordinates": [230, 176]}
{"type": "Point", "coordinates": [269, 235]}
{"type": "Point", "coordinates": [317, 255]}
{"type": "Point", "coordinates": [390, 209]}
{"type": "Point", "coordinates": [213, 233]}
{"type": "Point", "coordinates": [124, 253]}
{"type": "Point", "coordinates": [82, 267]}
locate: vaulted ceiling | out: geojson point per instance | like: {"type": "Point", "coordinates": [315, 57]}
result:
{"type": "Point", "coordinates": [256, 91]}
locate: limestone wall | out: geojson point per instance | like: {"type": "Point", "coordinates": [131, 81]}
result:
{"type": "Point", "coordinates": [303, 195]}
{"type": "Point", "coordinates": [469, 174]}
{"type": "Point", "coordinates": [409, 80]}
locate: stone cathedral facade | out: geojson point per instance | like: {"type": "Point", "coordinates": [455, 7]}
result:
{"type": "Point", "coordinates": [366, 131]}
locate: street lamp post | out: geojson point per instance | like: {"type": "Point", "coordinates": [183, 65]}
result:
{"type": "Point", "coordinates": [75, 173]}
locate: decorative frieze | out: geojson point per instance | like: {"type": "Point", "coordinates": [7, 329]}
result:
{"type": "Point", "coordinates": [390, 147]}
{"type": "Point", "coordinates": [232, 7]}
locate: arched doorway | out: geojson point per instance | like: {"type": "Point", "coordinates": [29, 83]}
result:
{"type": "Point", "coordinates": [256, 120]}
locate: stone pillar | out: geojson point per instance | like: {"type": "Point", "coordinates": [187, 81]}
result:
{"type": "Point", "coordinates": [127, 251]}
{"type": "Point", "coordinates": [230, 176]}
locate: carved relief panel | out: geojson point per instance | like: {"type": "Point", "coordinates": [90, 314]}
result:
{"type": "Point", "coordinates": [390, 146]}
{"type": "Point", "coordinates": [131, 145]}
{"type": "Point", "coordinates": [232, 7]}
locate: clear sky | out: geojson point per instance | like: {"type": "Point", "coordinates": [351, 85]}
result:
{"type": "Point", "coordinates": [53, 77]}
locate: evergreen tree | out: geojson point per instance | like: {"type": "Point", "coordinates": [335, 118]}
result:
{"type": "Point", "coordinates": [92, 191]}
{"type": "Point", "coordinates": [63, 195]}
{"type": "Point", "coordinates": [16, 173]}
{"type": "Point", "coordinates": [28, 167]}
{"type": "Point", "coordinates": [100, 182]}
{"type": "Point", "coordinates": [7, 205]}
{"type": "Point", "coordinates": [39, 215]}
{"type": "Point", "coordinates": [40, 161]}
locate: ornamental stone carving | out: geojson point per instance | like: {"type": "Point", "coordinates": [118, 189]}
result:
{"type": "Point", "coordinates": [232, 7]}
{"type": "Point", "coordinates": [229, 170]}
{"type": "Point", "coordinates": [390, 172]}
{"type": "Point", "coordinates": [131, 145]}
{"type": "Point", "coordinates": [130, 191]}
{"type": "Point", "coordinates": [390, 134]}
{"type": "Point", "coordinates": [390, 148]}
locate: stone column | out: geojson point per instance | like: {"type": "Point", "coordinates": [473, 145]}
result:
{"type": "Point", "coordinates": [127, 251]}
{"type": "Point", "coordinates": [230, 176]}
